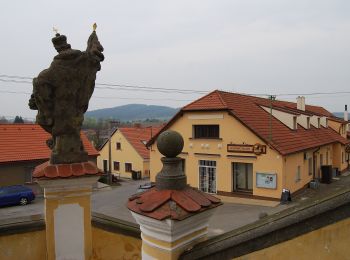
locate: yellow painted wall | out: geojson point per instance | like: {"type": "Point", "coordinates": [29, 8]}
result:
{"type": "Point", "coordinates": [338, 127]}
{"type": "Point", "coordinates": [294, 160]}
{"type": "Point", "coordinates": [127, 154]}
{"type": "Point", "coordinates": [108, 245]}
{"type": "Point", "coordinates": [24, 246]}
{"type": "Point", "coordinates": [328, 243]}
{"type": "Point", "coordinates": [231, 131]}
{"type": "Point", "coordinates": [338, 151]}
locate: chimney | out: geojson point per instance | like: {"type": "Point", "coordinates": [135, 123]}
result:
{"type": "Point", "coordinates": [346, 118]}
{"type": "Point", "coordinates": [301, 103]}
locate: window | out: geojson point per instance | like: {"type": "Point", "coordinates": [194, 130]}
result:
{"type": "Point", "coordinates": [294, 122]}
{"type": "Point", "coordinates": [310, 166]}
{"type": "Point", "coordinates": [118, 146]}
{"type": "Point", "coordinates": [318, 122]}
{"type": "Point", "coordinates": [128, 167]}
{"type": "Point", "coordinates": [206, 131]}
{"type": "Point", "coordinates": [298, 173]}
{"type": "Point", "coordinates": [116, 166]}
{"type": "Point", "coordinates": [308, 122]}
{"type": "Point", "coordinates": [207, 176]}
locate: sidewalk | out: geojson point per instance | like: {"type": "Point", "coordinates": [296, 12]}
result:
{"type": "Point", "coordinates": [324, 189]}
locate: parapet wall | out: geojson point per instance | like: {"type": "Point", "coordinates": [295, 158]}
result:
{"type": "Point", "coordinates": [25, 238]}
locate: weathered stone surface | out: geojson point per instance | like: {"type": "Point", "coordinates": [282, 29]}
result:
{"type": "Point", "coordinates": [61, 95]}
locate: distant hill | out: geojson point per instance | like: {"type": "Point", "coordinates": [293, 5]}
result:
{"type": "Point", "coordinates": [133, 112]}
{"type": "Point", "coordinates": [339, 114]}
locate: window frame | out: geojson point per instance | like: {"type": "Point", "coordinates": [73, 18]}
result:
{"type": "Point", "coordinates": [126, 166]}
{"type": "Point", "coordinates": [114, 164]}
{"type": "Point", "coordinates": [118, 146]}
{"type": "Point", "coordinates": [204, 132]}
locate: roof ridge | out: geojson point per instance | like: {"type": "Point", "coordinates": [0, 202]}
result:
{"type": "Point", "coordinates": [205, 96]}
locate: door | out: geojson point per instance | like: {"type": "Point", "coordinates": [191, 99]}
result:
{"type": "Point", "coordinates": [105, 166]}
{"type": "Point", "coordinates": [242, 177]}
{"type": "Point", "coordinates": [207, 176]}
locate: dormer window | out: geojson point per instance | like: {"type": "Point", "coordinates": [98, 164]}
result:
{"type": "Point", "coordinates": [308, 122]}
{"type": "Point", "coordinates": [294, 122]}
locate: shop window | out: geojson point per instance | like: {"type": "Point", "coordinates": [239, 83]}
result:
{"type": "Point", "coordinates": [118, 146]}
{"type": "Point", "coordinates": [298, 174]}
{"type": "Point", "coordinates": [116, 166]}
{"type": "Point", "coordinates": [128, 167]}
{"type": "Point", "coordinates": [310, 166]}
{"type": "Point", "coordinates": [206, 131]}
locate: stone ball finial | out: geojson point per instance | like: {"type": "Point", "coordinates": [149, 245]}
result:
{"type": "Point", "coordinates": [170, 143]}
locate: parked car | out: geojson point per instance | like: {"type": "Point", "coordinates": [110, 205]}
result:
{"type": "Point", "coordinates": [17, 194]}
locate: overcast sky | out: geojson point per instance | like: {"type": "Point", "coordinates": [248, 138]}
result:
{"type": "Point", "coordinates": [261, 46]}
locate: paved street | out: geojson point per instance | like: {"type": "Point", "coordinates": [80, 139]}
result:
{"type": "Point", "coordinates": [112, 202]}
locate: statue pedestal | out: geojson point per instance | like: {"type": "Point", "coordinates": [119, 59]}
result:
{"type": "Point", "coordinates": [67, 193]}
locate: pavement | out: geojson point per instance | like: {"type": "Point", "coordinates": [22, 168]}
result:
{"type": "Point", "coordinates": [234, 213]}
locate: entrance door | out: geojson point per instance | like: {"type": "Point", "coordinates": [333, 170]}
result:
{"type": "Point", "coordinates": [105, 166]}
{"type": "Point", "coordinates": [207, 176]}
{"type": "Point", "coordinates": [242, 177]}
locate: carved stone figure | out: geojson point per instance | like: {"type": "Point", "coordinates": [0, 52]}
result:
{"type": "Point", "coordinates": [61, 95]}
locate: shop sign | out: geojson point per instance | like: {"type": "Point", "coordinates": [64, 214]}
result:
{"type": "Point", "coordinates": [266, 180]}
{"type": "Point", "coordinates": [247, 148]}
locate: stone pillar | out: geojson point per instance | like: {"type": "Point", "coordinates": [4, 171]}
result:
{"type": "Point", "coordinates": [172, 216]}
{"type": "Point", "coordinates": [167, 239]}
{"type": "Point", "coordinates": [67, 193]}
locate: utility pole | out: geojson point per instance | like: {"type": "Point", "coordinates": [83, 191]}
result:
{"type": "Point", "coordinates": [271, 98]}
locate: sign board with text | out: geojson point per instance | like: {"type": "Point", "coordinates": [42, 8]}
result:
{"type": "Point", "coordinates": [247, 148]}
{"type": "Point", "coordinates": [266, 180]}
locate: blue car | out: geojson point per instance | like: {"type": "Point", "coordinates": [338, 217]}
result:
{"type": "Point", "coordinates": [17, 194]}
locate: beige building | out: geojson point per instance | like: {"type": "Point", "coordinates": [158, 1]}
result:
{"type": "Point", "coordinates": [244, 145]}
{"type": "Point", "coordinates": [126, 152]}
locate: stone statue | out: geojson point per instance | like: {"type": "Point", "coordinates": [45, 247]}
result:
{"type": "Point", "coordinates": [61, 95]}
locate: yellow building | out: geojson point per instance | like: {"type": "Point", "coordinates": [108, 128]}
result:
{"type": "Point", "coordinates": [125, 152]}
{"type": "Point", "coordinates": [243, 145]}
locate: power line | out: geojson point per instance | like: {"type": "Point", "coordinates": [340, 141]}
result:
{"type": "Point", "coordinates": [126, 98]}
{"type": "Point", "coordinates": [110, 86]}
{"type": "Point", "coordinates": [13, 79]}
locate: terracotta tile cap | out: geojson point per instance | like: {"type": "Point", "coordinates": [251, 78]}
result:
{"type": "Point", "coordinates": [51, 171]}
{"type": "Point", "coordinates": [173, 204]}
{"type": "Point", "coordinates": [64, 170]}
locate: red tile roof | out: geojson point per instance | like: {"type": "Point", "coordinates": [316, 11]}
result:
{"type": "Point", "coordinates": [137, 137]}
{"type": "Point", "coordinates": [24, 142]}
{"type": "Point", "coordinates": [173, 204]}
{"type": "Point", "coordinates": [247, 109]}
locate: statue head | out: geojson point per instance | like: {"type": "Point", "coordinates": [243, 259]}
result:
{"type": "Point", "coordinates": [60, 43]}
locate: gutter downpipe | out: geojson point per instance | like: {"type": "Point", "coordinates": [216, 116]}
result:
{"type": "Point", "coordinates": [313, 161]}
